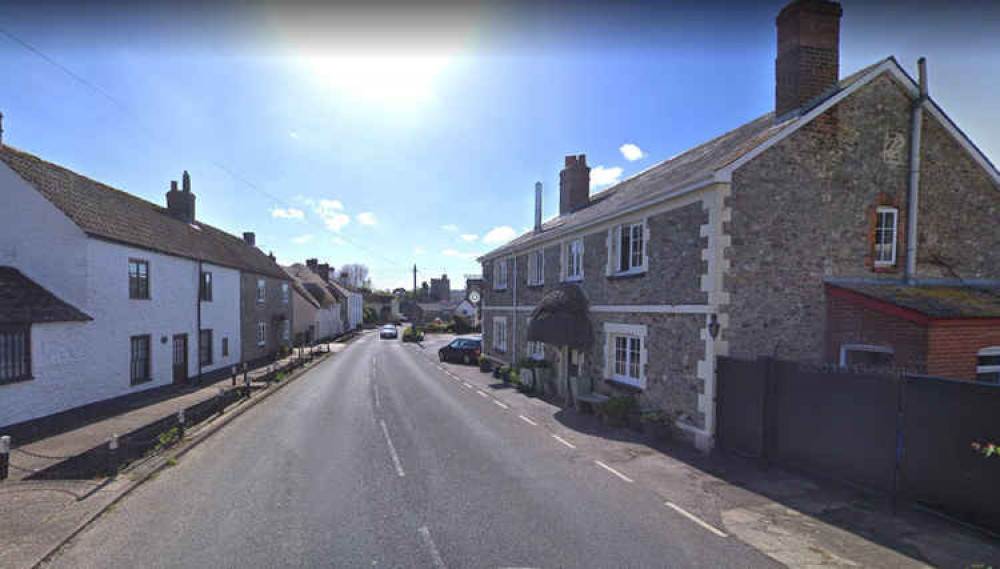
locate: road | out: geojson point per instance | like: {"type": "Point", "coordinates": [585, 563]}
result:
{"type": "Point", "coordinates": [377, 458]}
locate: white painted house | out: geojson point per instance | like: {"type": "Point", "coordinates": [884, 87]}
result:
{"type": "Point", "coordinates": [355, 304]}
{"type": "Point", "coordinates": [119, 295]}
{"type": "Point", "coordinates": [317, 311]}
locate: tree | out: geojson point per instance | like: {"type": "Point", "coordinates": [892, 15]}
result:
{"type": "Point", "coordinates": [354, 275]}
{"type": "Point", "coordinates": [399, 291]}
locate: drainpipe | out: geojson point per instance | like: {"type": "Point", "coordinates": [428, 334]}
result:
{"type": "Point", "coordinates": [513, 351]}
{"type": "Point", "coordinates": [198, 338]}
{"type": "Point", "coordinates": [913, 197]}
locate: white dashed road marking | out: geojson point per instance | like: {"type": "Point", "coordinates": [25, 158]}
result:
{"type": "Point", "coordinates": [613, 471]}
{"type": "Point", "coordinates": [425, 535]}
{"type": "Point", "coordinates": [483, 393]}
{"type": "Point", "coordinates": [501, 404]}
{"type": "Point", "coordinates": [563, 441]}
{"type": "Point", "coordinates": [694, 518]}
{"type": "Point", "coordinates": [467, 384]}
{"type": "Point", "coordinates": [378, 403]}
{"type": "Point", "coordinates": [528, 421]}
{"type": "Point", "coordinates": [392, 451]}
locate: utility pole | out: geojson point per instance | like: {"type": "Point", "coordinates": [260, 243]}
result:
{"type": "Point", "coordinates": [414, 280]}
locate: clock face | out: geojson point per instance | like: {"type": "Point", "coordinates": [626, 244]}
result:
{"type": "Point", "coordinates": [474, 296]}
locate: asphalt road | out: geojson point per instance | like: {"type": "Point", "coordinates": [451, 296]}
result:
{"type": "Point", "coordinates": [376, 458]}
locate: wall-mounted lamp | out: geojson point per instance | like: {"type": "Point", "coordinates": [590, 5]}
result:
{"type": "Point", "coordinates": [713, 327]}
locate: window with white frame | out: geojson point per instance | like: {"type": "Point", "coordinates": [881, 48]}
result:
{"type": "Point", "coordinates": [261, 333]}
{"type": "Point", "coordinates": [285, 293]}
{"type": "Point", "coordinates": [988, 364]}
{"type": "Point", "coordinates": [574, 260]}
{"type": "Point", "coordinates": [261, 291]}
{"type": "Point", "coordinates": [886, 223]}
{"type": "Point", "coordinates": [629, 247]}
{"type": "Point", "coordinates": [536, 268]}
{"type": "Point", "coordinates": [626, 353]}
{"type": "Point", "coordinates": [499, 334]}
{"type": "Point", "coordinates": [867, 355]}
{"type": "Point", "coordinates": [500, 274]}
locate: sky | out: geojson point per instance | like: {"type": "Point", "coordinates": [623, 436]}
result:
{"type": "Point", "coordinates": [394, 136]}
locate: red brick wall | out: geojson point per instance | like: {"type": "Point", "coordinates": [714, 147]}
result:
{"type": "Point", "coordinates": [850, 320]}
{"type": "Point", "coordinates": [955, 343]}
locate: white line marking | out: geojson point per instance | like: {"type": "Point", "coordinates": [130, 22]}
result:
{"type": "Point", "coordinates": [528, 421]}
{"type": "Point", "coordinates": [425, 534]}
{"type": "Point", "coordinates": [613, 471]}
{"type": "Point", "coordinates": [563, 441]}
{"type": "Point", "coordinates": [483, 393]}
{"type": "Point", "coordinates": [467, 384]}
{"type": "Point", "coordinates": [378, 403]}
{"type": "Point", "coordinates": [392, 451]}
{"type": "Point", "coordinates": [694, 518]}
{"type": "Point", "coordinates": [501, 404]}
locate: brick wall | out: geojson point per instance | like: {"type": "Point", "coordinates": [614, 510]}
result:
{"type": "Point", "coordinates": [852, 321]}
{"type": "Point", "coordinates": [955, 343]}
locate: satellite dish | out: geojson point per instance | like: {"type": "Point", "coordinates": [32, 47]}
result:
{"type": "Point", "coordinates": [474, 296]}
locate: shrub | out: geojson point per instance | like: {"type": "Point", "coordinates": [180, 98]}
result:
{"type": "Point", "coordinates": [412, 335]}
{"type": "Point", "coordinates": [514, 377]}
{"type": "Point", "coordinates": [616, 409]}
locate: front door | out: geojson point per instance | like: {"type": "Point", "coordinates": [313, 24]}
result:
{"type": "Point", "coordinates": [180, 358]}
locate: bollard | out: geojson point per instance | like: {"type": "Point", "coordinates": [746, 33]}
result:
{"type": "Point", "coordinates": [180, 422]}
{"type": "Point", "coordinates": [4, 457]}
{"type": "Point", "coordinates": [113, 455]}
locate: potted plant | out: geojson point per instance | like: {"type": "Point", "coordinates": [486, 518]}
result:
{"type": "Point", "coordinates": [658, 423]}
{"type": "Point", "coordinates": [485, 365]}
{"type": "Point", "coordinates": [505, 373]}
{"type": "Point", "coordinates": [615, 411]}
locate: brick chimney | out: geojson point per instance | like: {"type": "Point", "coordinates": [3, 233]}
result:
{"type": "Point", "coordinates": [808, 61]}
{"type": "Point", "coordinates": [180, 204]}
{"type": "Point", "coordinates": [311, 263]}
{"type": "Point", "coordinates": [249, 238]}
{"type": "Point", "coordinates": [323, 271]}
{"type": "Point", "coordinates": [574, 184]}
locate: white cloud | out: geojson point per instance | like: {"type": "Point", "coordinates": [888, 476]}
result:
{"type": "Point", "coordinates": [450, 227]}
{"type": "Point", "coordinates": [366, 218]}
{"type": "Point", "coordinates": [459, 254]}
{"type": "Point", "coordinates": [290, 213]}
{"type": "Point", "coordinates": [631, 152]}
{"type": "Point", "coordinates": [419, 250]}
{"type": "Point", "coordinates": [469, 237]}
{"type": "Point", "coordinates": [501, 234]}
{"type": "Point", "coordinates": [302, 239]}
{"type": "Point", "coordinates": [601, 176]}
{"type": "Point", "coordinates": [337, 241]}
{"type": "Point", "coordinates": [331, 211]}
{"type": "Point", "coordinates": [293, 134]}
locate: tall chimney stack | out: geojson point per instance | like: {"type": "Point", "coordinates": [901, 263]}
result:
{"type": "Point", "coordinates": [808, 61]}
{"type": "Point", "coordinates": [574, 184]}
{"type": "Point", "coordinates": [180, 204]}
{"type": "Point", "coordinates": [538, 207]}
{"type": "Point", "coordinates": [250, 238]}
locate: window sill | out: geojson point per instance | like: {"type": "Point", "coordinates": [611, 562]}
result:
{"type": "Point", "coordinates": [14, 380]}
{"type": "Point", "coordinates": [136, 382]}
{"type": "Point", "coordinates": [623, 384]}
{"type": "Point", "coordinates": [572, 279]}
{"type": "Point", "coordinates": [628, 274]}
{"type": "Point", "coordinates": [535, 285]}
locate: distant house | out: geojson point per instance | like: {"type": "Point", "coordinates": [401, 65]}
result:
{"type": "Point", "coordinates": [351, 301]}
{"type": "Point", "coordinates": [853, 223]}
{"type": "Point", "coordinates": [120, 295]}
{"type": "Point", "coordinates": [386, 306]}
{"type": "Point", "coordinates": [319, 309]}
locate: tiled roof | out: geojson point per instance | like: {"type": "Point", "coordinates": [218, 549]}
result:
{"type": "Point", "coordinates": [312, 284]}
{"type": "Point", "coordinates": [105, 212]}
{"type": "Point", "coordinates": [300, 288]}
{"type": "Point", "coordinates": [689, 167]}
{"type": "Point", "coordinates": [935, 301]}
{"type": "Point", "coordinates": [22, 301]}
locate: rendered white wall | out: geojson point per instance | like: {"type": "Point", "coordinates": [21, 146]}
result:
{"type": "Point", "coordinates": [40, 241]}
{"type": "Point", "coordinates": [222, 316]}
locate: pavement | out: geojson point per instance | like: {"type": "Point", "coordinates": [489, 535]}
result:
{"type": "Point", "coordinates": [384, 457]}
{"type": "Point", "coordinates": [40, 515]}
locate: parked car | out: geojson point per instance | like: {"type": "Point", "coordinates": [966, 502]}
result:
{"type": "Point", "coordinates": [465, 350]}
{"type": "Point", "coordinates": [388, 331]}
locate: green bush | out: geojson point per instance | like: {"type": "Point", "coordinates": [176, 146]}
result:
{"type": "Point", "coordinates": [514, 377]}
{"type": "Point", "coordinates": [531, 363]}
{"type": "Point", "coordinates": [616, 409]}
{"type": "Point", "coordinates": [412, 335]}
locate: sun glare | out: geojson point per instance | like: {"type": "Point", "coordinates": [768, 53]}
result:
{"type": "Point", "coordinates": [387, 78]}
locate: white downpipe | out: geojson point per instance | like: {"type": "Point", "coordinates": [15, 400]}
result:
{"type": "Point", "coordinates": [913, 199]}
{"type": "Point", "coordinates": [513, 349]}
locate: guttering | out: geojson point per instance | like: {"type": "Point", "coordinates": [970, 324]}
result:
{"type": "Point", "coordinates": [554, 234]}
{"type": "Point", "coordinates": [913, 193]}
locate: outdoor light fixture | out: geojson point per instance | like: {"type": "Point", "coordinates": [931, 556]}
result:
{"type": "Point", "coordinates": [713, 327]}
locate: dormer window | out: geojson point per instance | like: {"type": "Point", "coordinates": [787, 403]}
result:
{"type": "Point", "coordinates": [886, 224]}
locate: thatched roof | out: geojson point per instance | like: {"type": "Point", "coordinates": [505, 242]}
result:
{"type": "Point", "coordinates": [561, 318]}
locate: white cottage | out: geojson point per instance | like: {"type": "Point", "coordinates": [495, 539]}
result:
{"type": "Point", "coordinates": [119, 295]}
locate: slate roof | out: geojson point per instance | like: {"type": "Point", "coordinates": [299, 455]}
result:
{"type": "Point", "coordinates": [300, 288]}
{"type": "Point", "coordinates": [694, 165]}
{"type": "Point", "coordinates": [23, 301]}
{"type": "Point", "coordinates": [935, 301]}
{"type": "Point", "coordinates": [105, 212]}
{"type": "Point", "coordinates": [312, 284]}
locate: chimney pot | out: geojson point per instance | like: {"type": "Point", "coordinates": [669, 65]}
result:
{"type": "Point", "coordinates": [173, 185]}
{"type": "Point", "coordinates": [538, 207]}
{"type": "Point", "coordinates": [186, 182]}
{"type": "Point", "coordinates": [250, 238]}
{"type": "Point", "coordinates": [574, 184]}
{"type": "Point", "coordinates": [808, 61]}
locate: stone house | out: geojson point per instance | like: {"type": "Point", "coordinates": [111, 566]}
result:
{"type": "Point", "coordinates": [856, 191]}
{"type": "Point", "coordinates": [317, 310]}
{"type": "Point", "coordinates": [351, 301]}
{"type": "Point", "coordinates": [120, 295]}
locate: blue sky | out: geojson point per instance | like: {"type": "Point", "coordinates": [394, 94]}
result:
{"type": "Point", "coordinates": [391, 137]}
